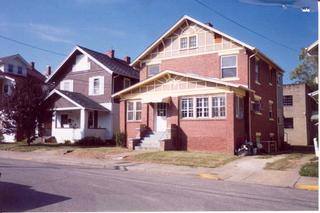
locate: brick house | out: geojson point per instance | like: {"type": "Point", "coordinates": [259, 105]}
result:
{"type": "Point", "coordinates": [15, 69]}
{"type": "Point", "coordinates": [80, 102]}
{"type": "Point", "coordinates": [201, 89]}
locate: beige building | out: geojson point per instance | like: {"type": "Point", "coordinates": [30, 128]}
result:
{"type": "Point", "coordinates": [297, 109]}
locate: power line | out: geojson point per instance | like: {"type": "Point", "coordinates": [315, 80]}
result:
{"type": "Point", "coordinates": [32, 46]}
{"type": "Point", "coordinates": [244, 27]}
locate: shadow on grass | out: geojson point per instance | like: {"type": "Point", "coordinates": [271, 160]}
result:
{"type": "Point", "coordinates": [18, 197]}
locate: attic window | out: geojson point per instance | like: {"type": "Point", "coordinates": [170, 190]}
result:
{"type": "Point", "coordinates": [10, 68]}
{"type": "Point", "coordinates": [188, 42]}
{"type": "Point", "coordinates": [81, 63]}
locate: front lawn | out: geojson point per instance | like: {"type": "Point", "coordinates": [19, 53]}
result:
{"type": "Point", "coordinates": [183, 158]}
{"type": "Point", "coordinates": [24, 147]}
{"type": "Point", "coordinates": [310, 169]}
{"type": "Point", "coordinates": [288, 162]}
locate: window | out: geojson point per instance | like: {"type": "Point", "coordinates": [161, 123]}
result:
{"type": "Point", "coordinates": [270, 110]}
{"type": "Point", "coordinates": [288, 123]}
{"type": "Point", "coordinates": [6, 89]}
{"type": "Point", "coordinates": [126, 83]}
{"type": "Point", "coordinates": [184, 43]}
{"type": "Point", "coordinates": [287, 100]}
{"type": "Point", "coordinates": [257, 72]}
{"type": "Point", "coordinates": [239, 107]}
{"type": "Point", "coordinates": [202, 107]}
{"type": "Point", "coordinates": [270, 76]}
{"type": "Point", "coordinates": [65, 122]}
{"type": "Point", "coordinates": [19, 70]}
{"type": "Point", "coordinates": [279, 80]}
{"type": "Point", "coordinates": [218, 107]}
{"type": "Point", "coordinates": [153, 70]}
{"type": "Point", "coordinates": [10, 68]}
{"type": "Point", "coordinates": [134, 111]}
{"type": "Point", "coordinates": [193, 41]}
{"type": "Point", "coordinates": [228, 66]}
{"type": "Point", "coordinates": [258, 137]}
{"type": "Point", "coordinates": [257, 106]}
{"type": "Point", "coordinates": [187, 107]}
{"type": "Point", "coordinates": [93, 120]}
{"type": "Point", "coordinates": [81, 63]}
{"type": "Point", "coordinates": [67, 85]}
{"type": "Point", "coordinates": [188, 42]}
{"type": "Point", "coordinates": [96, 85]}
{"type": "Point", "coordinates": [161, 109]}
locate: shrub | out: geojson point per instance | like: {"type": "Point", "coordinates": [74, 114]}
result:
{"type": "Point", "coordinates": [67, 142]}
{"type": "Point", "coordinates": [50, 140]}
{"type": "Point", "coordinates": [120, 139]}
{"type": "Point", "coordinates": [91, 141]}
{"type": "Point", "coordinates": [309, 169]}
{"type": "Point", "coordinates": [1, 137]}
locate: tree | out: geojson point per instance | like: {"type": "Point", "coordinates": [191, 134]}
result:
{"type": "Point", "coordinates": [21, 109]}
{"type": "Point", "coordinates": [307, 71]}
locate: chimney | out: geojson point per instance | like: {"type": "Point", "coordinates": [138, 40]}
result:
{"type": "Point", "coordinates": [209, 24]}
{"type": "Point", "coordinates": [48, 70]}
{"type": "Point", "coordinates": [32, 65]}
{"type": "Point", "coordinates": [127, 59]}
{"type": "Point", "coordinates": [110, 53]}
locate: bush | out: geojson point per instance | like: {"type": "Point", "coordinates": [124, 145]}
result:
{"type": "Point", "coordinates": [50, 140]}
{"type": "Point", "coordinates": [91, 141]}
{"type": "Point", "coordinates": [120, 139]}
{"type": "Point", "coordinates": [309, 169]}
{"type": "Point", "coordinates": [1, 137]}
{"type": "Point", "coordinates": [67, 142]}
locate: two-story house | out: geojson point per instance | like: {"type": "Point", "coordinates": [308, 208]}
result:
{"type": "Point", "coordinates": [80, 102]}
{"type": "Point", "coordinates": [201, 89]}
{"type": "Point", "coordinates": [14, 69]}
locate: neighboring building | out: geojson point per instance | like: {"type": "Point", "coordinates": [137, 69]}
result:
{"type": "Point", "coordinates": [80, 102]}
{"type": "Point", "coordinates": [298, 107]}
{"type": "Point", "coordinates": [14, 69]}
{"type": "Point", "coordinates": [201, 89]}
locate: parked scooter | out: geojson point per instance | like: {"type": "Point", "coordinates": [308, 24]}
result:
{"type": "Point", "coordinates": [247, 148]}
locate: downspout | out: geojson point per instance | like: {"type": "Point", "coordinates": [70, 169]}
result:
{"type": "Point", "coordinates": [249, 84]}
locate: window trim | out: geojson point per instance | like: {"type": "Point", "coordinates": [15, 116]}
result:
{"type": "Point", "coordinates": [270, 103]}
{"type": "Point", "coordinates": [12, 66]}
{"type": "Point", "coordinates": [91, 85]}
{"type": "Point", "coordinates": [188, 42]}
{"type": "Point", "coordinates": [257, 72]}
{"type": "Point", "coordinates": [20, 73]}
{"type": "Point", "coordinates": [210, 98]}
{"type": "Point", "coordinates": [65, 81]}
{"type": "Point", "coordinates": [284, 123]}
{"type": "Point", "coordinates": [233, 77]}
{"type": "Point", "coordinates": [285, 103]}
{"type": "Point", "coordinates": [148, 65]}
{"type": "Point", "coordinates": [134, 110]}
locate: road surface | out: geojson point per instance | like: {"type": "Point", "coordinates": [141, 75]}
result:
{"type": "Point", "coordinates": [32, 186]}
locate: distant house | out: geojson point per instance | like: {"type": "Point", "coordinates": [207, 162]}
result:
{"type": "Point", "coordinates": [201, 89]}
{"type": "Point", "coordinates": [80, 103]}
{"type": "Point", "coordinates": [14, 69]}
{"type": "Point", "coordinates": [298, 109]}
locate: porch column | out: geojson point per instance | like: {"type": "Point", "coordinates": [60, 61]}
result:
{"type": "Point", "coordinates": [82, 122]}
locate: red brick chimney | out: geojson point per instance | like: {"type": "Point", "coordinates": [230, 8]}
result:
{"type": "Point", "coordinates": [127, 59]}
{"type": "Point", "coordinates": [48, 70]}
{"type": "Point", "coordinates": [32, 65]}
{"type": "Point", "coordinates": [209, 24]}
{"type": "Point", "coordinates": [110, 53]}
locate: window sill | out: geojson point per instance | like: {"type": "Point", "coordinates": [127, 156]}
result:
{"type": "Point", "coordinates": [203, 119]}
{"type": "Point", "coordinates": [270, 84]}
{"type": "Point", "coordinates": [134, 121]}
{"type": "Point", "coordinates": [97, 128]}
{"type": "Point", "coordinates": [271, 119]}
{"type": "Point", "coordinates": [258, 113]}
{"type": "Point", "coordinates": [257, 82]}
{"type": "Point", "coordinates": [95, 94]}
{"type": "Point", "coordinates": [230, 79]}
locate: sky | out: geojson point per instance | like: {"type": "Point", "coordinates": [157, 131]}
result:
{"type": "Point", "coordinates": [130, 26]}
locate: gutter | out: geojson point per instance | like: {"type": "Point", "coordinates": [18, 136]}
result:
{"type": "Point", "coordinates": [249, 84]}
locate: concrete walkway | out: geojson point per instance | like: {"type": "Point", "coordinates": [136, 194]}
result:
{"type": "Point", "coordinates": [248, 169]}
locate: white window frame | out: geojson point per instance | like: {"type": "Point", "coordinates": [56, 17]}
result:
{"type": "Point", "coordinates": [188, 42]}
{"type": "Point", "coordinates": [134, 110]}
{"type": "Point", "coordinates": [124, 83]}
{"type": "Point", "coordinates": [270, 110]}
{"type": "Point", "coordinates": [239, 110]}
{"type": "Point", "coordinates": [189, 109]}
{"type": "Point", "coordinates": [219, 107]}
{"type": "Point", "coordinates": [257, 72]}
{"type": "Point", "coordinates": [194, 107]}
{"type": "Point", "coordinates": [225, 56]}
{"type": "Point", "coordinates": [62, 85]}
{"type": "Point", "coordinates": [202, 106]}
{"type": "Point", "coordinates": [86, 65]}
{"type": "Point", "coordinates": [91, 85]}
{"type": "Point", "coordinates": [257, 99]}
{"type": "Point", "coordinates": [149, 65]}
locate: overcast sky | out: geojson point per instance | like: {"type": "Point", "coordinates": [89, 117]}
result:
{"type": "Point", "coordinates": [129, 26]}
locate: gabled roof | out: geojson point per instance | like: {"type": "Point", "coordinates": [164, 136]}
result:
{"type": "Point", "coordinates": [189, 75]}
{"type": "Point", "coordinates": [212, 29]}
{"type": "Point", "coordinates": [78, 99]}
{"type": "Point", "coordinates": [313, 47]}
{"type": "Point", "coordinates": [6, 58]}
{"type": "Point", "coordinates": [111, 65]}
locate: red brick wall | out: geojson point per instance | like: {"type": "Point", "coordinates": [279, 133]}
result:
{"type": "Point", "coordinates": [261, 123]}
{"type": "Point", "coordinates": [204, 65]}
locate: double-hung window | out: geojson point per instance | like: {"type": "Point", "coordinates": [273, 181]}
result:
{"type": "Point", "coordinates": [134, 111]}
{"type": "Point", "coordinates": [184, 43]}
{"type": "Point", "coordinates": [287, 100]}
{"type": "Point", "coordinates": [218, 107]}
{"type": "Point", "coordinates": [202, 107]}
{"type": "Point", "coordinates": [10, 68]}
{"type": "Point", "coordinates": [19, 70]}
{"type": "Point", "coordinates": [270, 110]}
{"type": "Point", "coordinates": [239, 107]}
{"type": "Point", "coordinates": [93, 120]}
{"type": "Point", "coordinates": [187, 107]}
{"type": "Point", "coordinates": [193, 41]}
{"type": "Point", "coordinates": [153, 69]}
{"type": "Point", "coordinates": [96, 85]}
{"type": "Point", "coordinates": [67, 85]}
{"type": "Point", "coordinates": [229, 66]}
{"type": "Point", "coordinates": [188, 42]}
{"type": "Point", "coordinates": [257, 72]}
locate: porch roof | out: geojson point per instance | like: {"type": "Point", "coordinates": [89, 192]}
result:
{"type": "Point", "coordinates": [78, 99]}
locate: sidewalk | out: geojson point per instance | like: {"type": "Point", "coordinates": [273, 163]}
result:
{"type": "Point", "coordinates": [245, 170]}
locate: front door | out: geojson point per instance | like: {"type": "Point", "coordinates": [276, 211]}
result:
{"type": "Point", "coordinates": [161, 117]}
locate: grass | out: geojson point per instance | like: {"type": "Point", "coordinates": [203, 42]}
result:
{"type": "Point", "coordinates": [290, 161]}
{"type": "Point", "coordinates": [182, 158]}
{"type": "Point", "coordinates": [310, 169]}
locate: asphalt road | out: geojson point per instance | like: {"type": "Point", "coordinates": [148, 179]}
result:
{"type": "Point", "coordinates": [31, 186]}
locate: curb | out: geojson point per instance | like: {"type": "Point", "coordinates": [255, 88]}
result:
{"type": "Point", "coordinates": [307, 187]}
{"type": "Point", "coordinates": [209, 176]}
